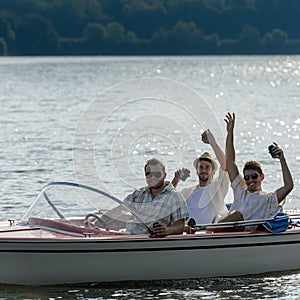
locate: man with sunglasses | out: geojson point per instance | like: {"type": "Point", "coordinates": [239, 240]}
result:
{"type": "Point", "coordinates": [250, 202]}
{"type": "Point", "coordinates": [159, 204]}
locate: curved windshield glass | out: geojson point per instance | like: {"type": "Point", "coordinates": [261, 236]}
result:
{"type": "Point", "coordinates": [65, 200]}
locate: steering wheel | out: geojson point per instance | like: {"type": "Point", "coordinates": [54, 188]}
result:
{"type": "Point", "coordinates": [88, 224]}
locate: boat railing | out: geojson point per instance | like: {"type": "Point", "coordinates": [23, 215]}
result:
{"type": "Point", "coordinates": [287, 221]}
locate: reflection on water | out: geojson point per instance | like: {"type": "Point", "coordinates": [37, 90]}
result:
{"type": "Point", "coordinates": [43, 100]}
{"type": "Point", "coordinates": [275, 286]}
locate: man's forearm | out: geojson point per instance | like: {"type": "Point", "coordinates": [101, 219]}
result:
{"type": "Point", "coordinates": [176, 227]}
{"type": "Point", "coordinates": [219, 154]}
{"type": "Point", "coordinates": [288, 183]}
{"type": "Point", "coordinates": [287, 176]}
{"type": "Point", "coordinates": [230, 151]}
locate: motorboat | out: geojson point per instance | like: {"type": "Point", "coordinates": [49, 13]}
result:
{"type": "Point", "coordinates": [57, 242]}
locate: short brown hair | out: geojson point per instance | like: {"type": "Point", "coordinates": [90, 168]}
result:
{"type": "Point", "coordinates": [253, 165]}
{"type": "Point", "coordinates": [154, 161]}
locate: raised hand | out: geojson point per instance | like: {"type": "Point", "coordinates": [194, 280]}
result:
{"type": "Point", "coordinates": [207, 137]}
{"type": "Point", "coordinates": [276, 151]}
{"type": "Point", "coordinates": [176, 178]}
{"type": "Point", "coordinates": [230, 120]}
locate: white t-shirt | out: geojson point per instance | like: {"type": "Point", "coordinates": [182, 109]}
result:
{"type": "Point", "coordinates": [253, 206]}
{"type": "Point", "coordinates": [206, 204]}
{"type": "Point", "coordinates": [193, 204]}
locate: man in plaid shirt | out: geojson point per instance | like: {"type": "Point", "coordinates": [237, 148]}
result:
{"type": "Point", "coordinates": [161, 207]}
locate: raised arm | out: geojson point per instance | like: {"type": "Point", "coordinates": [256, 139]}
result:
{"type": "Point", "coordinates": [208, 138]}
{"type": "Point", "coordinates": [288, 183]}
{"type": "Point", "coordinates": [176, 178]}
{"type": "Point", "coordinates": [232, 168]}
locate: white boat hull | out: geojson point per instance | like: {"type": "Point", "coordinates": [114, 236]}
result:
{"type": "Point", "coordinates": [53, 261]}
{"type": "Point", "coordinates": [55, 243]}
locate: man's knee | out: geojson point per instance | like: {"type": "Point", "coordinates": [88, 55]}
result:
{"type": "Point", "coordinates": [237, 215]}
{"type": "Point", "coordinates": [234, 215]}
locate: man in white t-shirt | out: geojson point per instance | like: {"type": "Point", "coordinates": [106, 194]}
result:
{"type": "Point", "coordinates": [205, 201]}
{"type": "Point", "coordinates": [250, 202]}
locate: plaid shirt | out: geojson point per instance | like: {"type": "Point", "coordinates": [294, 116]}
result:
{"type": "Point", "coordinates": [166, 207]}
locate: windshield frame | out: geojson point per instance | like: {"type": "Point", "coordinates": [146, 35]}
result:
{"type": "Point", "coordinates": [43, 193]}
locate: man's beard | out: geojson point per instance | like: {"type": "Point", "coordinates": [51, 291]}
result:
{"type": "Point", "coordinates": [158, 185]}
{"type": "Point", "coordinates": [204, 177]}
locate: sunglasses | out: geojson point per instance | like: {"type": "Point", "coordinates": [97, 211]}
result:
{"type": "Point", "coordinates": [156, 174]}
{"type": "Point", "coordinates": [253, 176]}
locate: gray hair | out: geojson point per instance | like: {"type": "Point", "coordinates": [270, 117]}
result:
{"type": "Point", "coordinates": [154, 161]}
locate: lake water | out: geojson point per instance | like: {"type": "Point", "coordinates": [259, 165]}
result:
{"type": "Point", "coordinates": [96, 120]}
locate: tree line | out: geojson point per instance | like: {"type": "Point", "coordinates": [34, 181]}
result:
{"type": "Point", "coordinates": [142, 27]}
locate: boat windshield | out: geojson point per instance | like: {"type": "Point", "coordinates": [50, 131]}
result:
{"type": "Point", "coordinates": [66, 200]}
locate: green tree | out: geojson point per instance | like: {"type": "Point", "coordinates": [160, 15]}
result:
{"type": "Point", "coordinates": [8, 25]}
{"type": "Point", "coordinates": [249, 40]}
{"type": "Point", "coordinates": [149, 26]}
{"type": "Point", "coordinates": [68, 17]}
{"type": "Point", "coordinates": [3, 47]}
{"type": "Point", "coordinates": [143, 17]}
{"type": "Point", "coordinates": [93, 38]}
{"type": "Point", "coordinates": [94, 32]}
{"type": "Point", "coordinates": [186, 36]}
{"type": "Point", "coordinates": [276, 41]}
{"type": "Point", "coordinates": [36, 35]}
{"type": "Point", "coordinates": [210, 44]}
{"type": "Point", "coordinates": [115, 33]}
{"type": "Point", "coordinates": [160, 38]}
